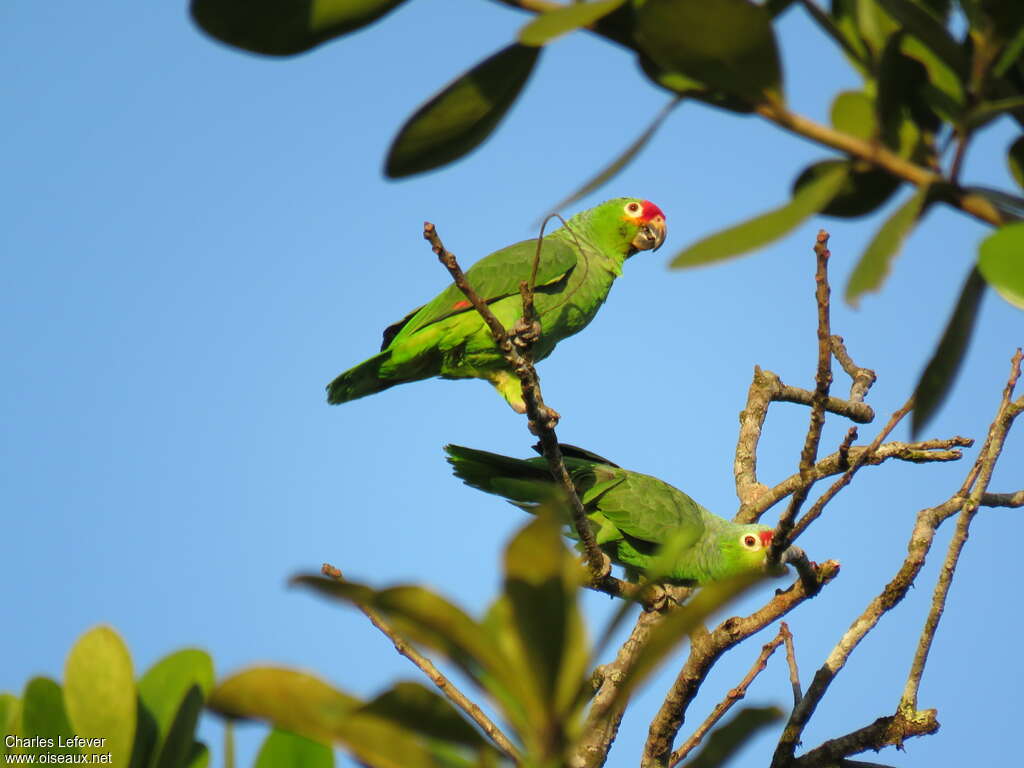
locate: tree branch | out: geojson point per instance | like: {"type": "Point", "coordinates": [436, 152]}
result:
{"type": "Point", "coordinates": [731, 697]}
{"type": "Point", "coordinates": [542, 419]}
{"type": "Point", "coordinates": [706, 648]}
{"type": "Point", "coordinates": [453, 694]}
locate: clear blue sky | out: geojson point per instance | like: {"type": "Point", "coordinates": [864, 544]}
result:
{"type": "Point", "coordinates": [196, 240]}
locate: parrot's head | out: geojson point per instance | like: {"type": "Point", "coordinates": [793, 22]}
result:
{"type": "Point", "coordinates": [629, 225]}
{"type": "Point", "coordinates": [745, 548]}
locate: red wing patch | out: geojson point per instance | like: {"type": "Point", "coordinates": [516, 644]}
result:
{"type": "Point", "coordinates": [460, 304]}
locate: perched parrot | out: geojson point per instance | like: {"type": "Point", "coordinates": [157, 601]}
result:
{"type": "Point", "coordinates": [631, 515]}
{"type": "Point", "coordinates": [447, 337]}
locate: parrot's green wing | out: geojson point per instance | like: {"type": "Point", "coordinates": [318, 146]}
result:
{"type": "Point", "coordinates": [494, 277]}
{"type": "Point", "coordinates": [650, 510]}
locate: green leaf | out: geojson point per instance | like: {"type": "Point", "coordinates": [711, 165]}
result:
{"type": "Point", "coordinates": [1015, 159]}
{"type": "Point", "coordinates": [164, 686]}
{"type": "Point", "coordinates": [990, 110]}
{"type": "Point", "coordinates": [902, 93]}
{"type": "Point", "coordinates": [675, 627]}
{"type": "Point", "coordinates": [761, 230]}
{"type": "Point", "coordinates": [922, 24]}
{"type": "Point", "coordinates": [199, 757]}
{"type": "Point", "coordinates": [945, 93]}
{"type": "Point", "coordinates": [10, 720]}
{"type": "Point", "coordinates": [853, 112]}
{"type": "Point", "coordinates": [298, 702]}
{"type": "Point", "coordinates": [1001, 262]}
{"type": "Point", "coordinates": [550, 25]}
{"type": "Point", "coordinates": [421, 710]}
{"type": "Point", "coordinates": [541, 582]}
{"type": "Point", "coordinates": [728, 739]}
{"type": "Point", "coordinates": [284, 749]}
{"type": "Point", "coordinates": [861, 193]}
{"type": "Point", "coordinates": [99, 692]}
{"type": "Point", "coordinates": [43, 714]}
{"type": "Point", "coordinates": [284, 27]}
{"type": "Point", "coordinates": [940, 373]}
{"type": "Point", "coordinates": [726, 44]}
{"type": "Point", "coordinates": [463, 115]}
{"type": "Point", "coordinates": [429, 619]}
{"type": "Point", "coordinates": [874, 265]}
{"type": "Point", "coordinates": [842, 28]}
{"type": "Point", "coordinates": [178, 743]}
{"type": "Point", "coordinates": [615, 167]}
{"type": "Point", "coordinates": [1010, 55]}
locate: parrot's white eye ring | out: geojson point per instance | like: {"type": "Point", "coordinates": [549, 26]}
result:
{"type": "Point", "coordinates": [750, 541]}
{"type": "Point", "coordinates": [632, 209]}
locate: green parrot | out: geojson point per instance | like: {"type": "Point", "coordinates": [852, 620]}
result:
{"type": "Point", "coordinates": [633, 516]}
{"type": "Point", "coordinates": [447, 337]}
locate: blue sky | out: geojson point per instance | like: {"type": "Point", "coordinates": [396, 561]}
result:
{"type": "Point", "coordinates": [197, 240]}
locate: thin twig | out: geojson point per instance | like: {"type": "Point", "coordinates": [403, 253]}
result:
{"type": "Point", "coordinates": [986, 462]}
{"type": "Point", "coordinates": [861, 378]}
{"type": "Point", "coordinates": [818, 507]}
{"type": "Point", "coordinates": [731, 698]}
{"type": "Point", "coordinates": [822, 383]}
{"type": "Point", "coordinates": [453, 694]}
{"type": "Point", "coordinates": [794, 673]}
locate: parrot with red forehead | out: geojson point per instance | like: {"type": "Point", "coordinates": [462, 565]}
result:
{"type": "Point", "coordinates": [447, 337]}
{"type": "Point", "coordinates": [641, 522]}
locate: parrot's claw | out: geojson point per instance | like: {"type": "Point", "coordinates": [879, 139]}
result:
{"type": "Point", "coordinates": [525, 334]}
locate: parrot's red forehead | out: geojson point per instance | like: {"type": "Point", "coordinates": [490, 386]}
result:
{"type": "Point", "coordinates": [650, 211]}
{"type": "Point", "coordinates": [766, 538]}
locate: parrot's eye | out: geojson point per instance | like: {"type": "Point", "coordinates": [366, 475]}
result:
{"type": "Point", "coordinates": [633, 208]}
{"type": "Point", "coordinates": [750, 541]}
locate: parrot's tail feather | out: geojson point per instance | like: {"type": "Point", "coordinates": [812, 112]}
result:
{"type": "Point", "coordinates": [360, 381]}
{"type": "Point", "coordinates": [524, 483]}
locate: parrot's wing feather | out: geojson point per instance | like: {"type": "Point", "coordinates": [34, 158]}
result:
{"type": "Point", "coordinates": [650, 510]}
{"type": "Point", "coordinates": [494, 277]}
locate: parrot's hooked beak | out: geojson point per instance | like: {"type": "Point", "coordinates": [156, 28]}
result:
{"type": "Point", "coordinates": [651, 234]}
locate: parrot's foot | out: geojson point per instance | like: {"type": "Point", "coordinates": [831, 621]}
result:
{"type": "Point", "coordinates": [525, 334]}
{"type": "Point", "coordinates": [549, 420]}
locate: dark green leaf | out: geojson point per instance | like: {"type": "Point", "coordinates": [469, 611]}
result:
{"type": "Point", "coordinates": [1011, 54]}
{"type": "Point", "coordinates": [940, 373]}
{"type": "Point", "coordinates": [861, 193]}
{"type": "Point", "coordinates": [162, 689]}
{"type": "Point", "coordinates": [1001, 262]}
{"type": "Point", "coordinates": [1015, 159]}
{"type": "Point", "coordinates": [1010, 207]}
{"type": "Point", "coordinates": [199, 757]}
{"type": "Point", "coordinates": [873, 25]}
{"type": "Point", "coordinates": [550, 25]}
{"type": "Point", "coordinates": [990, 110]}
{"type": "Point", "coordinates": [761, 230]}
{"type": "Point", "coordinates": [284, 27]}
{"type": "Point", "coordinates": [463, 115]}
{"type": "Point", "coordinates": [284, 749]}
{"type": "Point", "coordinates": [726, 740]}
{"type": "Point", "coordinates": [43, 714]}
{"type": "Point", "coordinates": [100, 695]}
{"type": "Point", "coordinates": [725, 44]}
{"type": "Point", "coordinates": [177, 744]}
{"type": "Point", "coordinates": [615, 167]}
{"type": "Point", "coordinates": [842, 28]}
{"type": "Point", "coordinates": [676, 626]}
{"type": "Point", "coordinates": [145, 745]}
{"type": "Point", "coordinates": [874, 265]}
{"type": "Point", "coordinates": [901, 86]}
{"type": "Point", "coordinates": [923, 25]}
{"type": "Point", "coordinates": [420, 710]}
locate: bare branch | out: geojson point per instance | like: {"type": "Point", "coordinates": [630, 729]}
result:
{"type": "Point", "coordinates": [862, 378]}
{"type": "Point", "coordinates": [985, 463]}
{"type": "Point", "coordinates": [794, 673]}
{"type": "Point", "coordinates": [731, 697]}
{"type": "Point", "coordinates": [885, 731]}
{"type": "Point", "coordinates": [1003, 499]}
{"type": "Point", "coordinates": [453, 694]}
{"type": "Point", "coordinates": [822, 383]}
{"type": "Point", "coordinates": [706, 648]}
